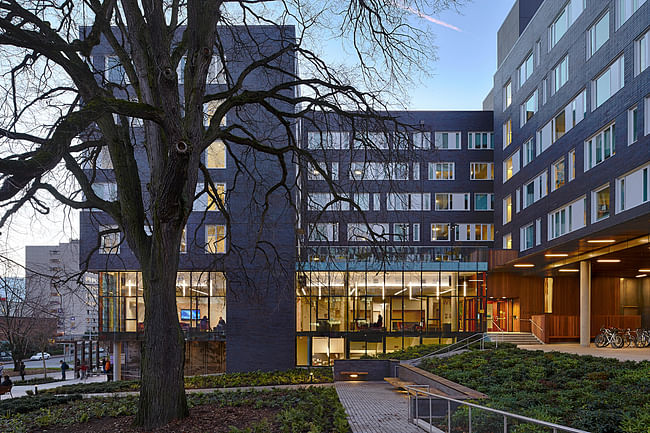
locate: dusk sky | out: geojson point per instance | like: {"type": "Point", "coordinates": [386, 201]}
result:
{"type": "Point", "coordinates": [460, 80]}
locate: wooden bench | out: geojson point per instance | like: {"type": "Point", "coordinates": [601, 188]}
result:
{"type": "Point", "coordinates": [402, 386]}
{"type": "Point", "coordinates": [6, 389]}
{"type": "Point", "coordinates": [354, 374]}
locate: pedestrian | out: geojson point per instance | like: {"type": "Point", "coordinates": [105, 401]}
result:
{"type": "Point", "coordinates": [64, 367]}
{"type": "Point", "coordinates": [21, 368]}
{"type": "Point", "coordinates": [108, 368]}
{"type": "Point", "coordinates": [7, 381]}
{"type": "Point", "coordinates": [77, 363]}
{"type": "Point", "coordinates": [84, 371]}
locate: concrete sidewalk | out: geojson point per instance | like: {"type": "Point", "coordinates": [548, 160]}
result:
{"type": "Point", "coordinates": [624, 354]}
{"type": "Point", "coordinates": [21, 390]}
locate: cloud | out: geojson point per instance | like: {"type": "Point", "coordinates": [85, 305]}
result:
{"type": "Point", "coordinates": [428, 17]}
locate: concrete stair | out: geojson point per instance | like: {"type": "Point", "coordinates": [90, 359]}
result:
{"type": "Point", "coordinates": [518, 338]}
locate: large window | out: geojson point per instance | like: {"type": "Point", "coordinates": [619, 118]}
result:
{"type": "Point", "coordinates": [528, 108]}
{"type": "Point", "coordinates": [379, 171]}
{"type": "Point", "coordinates": [528, 152]}
{"type": "Point", "coordinates": [568, 218]}
{"type": "Point", "coordinates": [572, 164]}
{"type": "Point", "coordinates": [105, 190]}
{"type": "Point", "coordinates": [507, 133]}
{"type": "Point", "coordinates": [481, 170]}
{"type": "Point", "coordinates": [567, 16]}
{"type": "Point", "coordinates": [441, 170]}
{"type": "Point", "coordinates": [641, 53]}
{"type": "Point", "coordinates": [215, 239]}
{"type": "Point", "coordinates": [600, 147]}
{"type": "Point", "coordinates": [362, 200]}
{"type": "Point", "coordinates": [422, 140]}
{"type": "Point", "coordinates": [115, 71]}
{"type": "Point", "coordinates": [110, 242]}
{"type": "Point", "coordinates": [215, 155]}
{"type": "Point", "coordinates": [536, 189]}
{"type": "Point", "coordinates": [558, 170]}
{"type": "Point", "coordinates": [633, 189]}
{"type": "Point", "coordinates": [408, 201]}
{"type": "Point", "coordinates": [526, 237]}
{"type": "Point", "coordinates": [332, 170]}
{"type": "Point", "coordinates": [511, 166]}
{"type": "Point", "coordinates": [328, 140]}
{"type": "Point", "coordinates": [480, 140]}
{"type": "Point", "coordinates": [600, 203]}
{"type": "Point", "coordinates": [507, 241]}
{"type": "Point", "coordinates": [561, 123]}
{"type": "Point", "coordinates": [598, 34]}
{"type": "Point", "coordinates": [526, 69]}
{"type": "Point", "coordinates": [447, 140]}
{"type": "Point", "coordinates": [507, 95]}
{"type": "Point", "coordinates": [209, 111]}
{"type": "Point", "coordinates": [324, 232]}
{"type": "Point", "coordinates": [401, 232]}
{"type": "Point", "coordinates": [507, 209]}
{"type": "Point", "coordinates": [483, 201]}
{"type": "Point", "coordinates": [474, 232]}
{"type": "Point", "coordinates": [608, 82]}
{"type": "Point", "coordinates": [625, 9]}
{"type": "Point", "coordinates": [453, 201]}
{"type": "Point", "coordinates": [319, 201]}
{"type": "Point", "coordinates": [439, 232]}
{"type": "Point", "coordinates": [634, 127]}
{"type": "Point", "coordinates": [560, 74]}
{"type": "Point", "coordinates": [361, 232]}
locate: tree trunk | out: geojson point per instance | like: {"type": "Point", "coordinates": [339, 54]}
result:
{"type": "Point", "coordinates": [162, 393]}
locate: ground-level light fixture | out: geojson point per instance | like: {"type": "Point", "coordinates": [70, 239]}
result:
{"type": "Point", "coordinates": [601, 241]}
{"type": "Point", "coordinates": [570, 270]}
{"type": "Point", "coordinates": [608, 260]}
{"type": "Point", "coordinates": [642, 275]}
{"type": "Point", "coordinates": [524, 265]}
{"type": "Point", "coordinates": [556, 255]}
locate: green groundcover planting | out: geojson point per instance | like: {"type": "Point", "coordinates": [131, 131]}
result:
{"type": "Point", "coordinates": [594, 394]}
{"type": "Point", "coordinates": [230, 380]}
{"type": "Point", "coordinates": [308, 410]}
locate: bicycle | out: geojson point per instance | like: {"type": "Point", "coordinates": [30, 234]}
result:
{"type": "Point", "coordinates": [609, 336]}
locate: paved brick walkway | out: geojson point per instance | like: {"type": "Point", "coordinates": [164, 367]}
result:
{"type": "Point", "coordinates": [374, 407]}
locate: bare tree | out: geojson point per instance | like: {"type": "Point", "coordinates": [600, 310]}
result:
{"type": "Point", "coordinates": [61, 116]}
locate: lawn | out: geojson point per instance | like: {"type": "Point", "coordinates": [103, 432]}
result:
{"type": "Point", "coordinates": [308, 410]}
{"type": "Point", "coordinates": [598, 395]}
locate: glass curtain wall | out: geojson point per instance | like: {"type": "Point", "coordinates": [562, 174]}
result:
{"type": "Point", "coordinates": [200, 300]}
{"type": "Point", "coordinates": [357, 313]}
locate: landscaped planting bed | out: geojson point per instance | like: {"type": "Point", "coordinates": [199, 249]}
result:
{"type": "Point", "coordinates": [308, 410]}
{"type": "Point", "coordinates": [594, 394]}
{"type": "Point", "coordinates": [230, 380]}
{"type": "Point", "coordinates": [410, 352]}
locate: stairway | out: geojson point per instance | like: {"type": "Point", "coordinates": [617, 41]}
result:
{"type": "Point", "coordinates": [518, 338]}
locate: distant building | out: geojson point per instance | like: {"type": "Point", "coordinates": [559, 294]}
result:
{"type": "Point", "coordinates": [53, 288]}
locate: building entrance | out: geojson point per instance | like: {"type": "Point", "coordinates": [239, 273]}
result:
{"type": "Point", "coordinates": [503, 315]}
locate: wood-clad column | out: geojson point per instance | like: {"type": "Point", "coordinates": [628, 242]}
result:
{"type": "Point", "coordinates": [585, 303]}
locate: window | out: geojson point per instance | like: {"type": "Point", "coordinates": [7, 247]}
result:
{"type": "Point", "coordinates": [511, 166]}
{"type": "Point", "coordinates": [507, 95]}
{"type": "Point", "coordinates": [608, 82]}
{"type": "Point", "coordinates": [538, 52]}
{"type": "Point", "coordinates": [480, 140]}
{"type": "Point", "coordinates": [328, 140]}
{"type": "Point", "coordinates": [215, 155]}
{"type": "Point", "coordinates": [633, 125]}
{"type": "Point", "coordinates": [209, 111]}
{"type": "Point", "coordinates": [374, 140]}
{"type": "Point", "coordinates": [216, 71]}
{"type": "Point", "coordinates": [481, 170]}
{"type": "Point", "coordinates": [538, 231]}
{"type": "Point", "coordinates": [439, 232]}
{"type": "Point", "coordinates": [517, 200]}
{"type": "Point", "coordinates": [360, 232]}
{"type": "Point", "coordinates": [376, 201]}
{"type": "Point", "coordinates": [526, 69]}
{"type": "Point", "coordinates": [452, 201]}
{"type": "Point", "coordinates": [633, 188]}
{"type": "Point", "coordinates": [560, 75]}
{"type": "Point", "coordinates": [408, 201]}
{"type": "Point", "coordinates": [401, 232]}
{"type": "Point", "coordinates": [528, 108]}
{"type": "Point", "coordinates": [324, 232]}
{"type": "Point", "coordinates": [215, 239]}
{"type": "Point", "coordinates": [526, 237]}
{"type": "Point", "coordinates": [106, 190]}
{"type": "Point", "coordinates": [641, 53]}
{"type": "Point", "coordinates": [568, 218]}
{"type": "Point", "coordinates": [543, 89]}
{"type": "Point", "coordinates": [625, 9]}
{"type": "Point", "coordinates": [183, 247]}
{"type": "Point", "coordinates": [379, 171]}
{"type": "Point", "coordinates": [416, 232]}
{"type": "Point", "coordinates": [598, 34]}
{"type": "Point", "coordinates": [110, 242]}
{"type": "Point", "coordinates": [474, 232]}
{"type": "Point", "coordinates": [572, 164]}
{"type": "Point", "coordinates": [600, 203]}
{"type": "Point", "coordinates": [441, 170]}
{"type": "Point", "coordinates": [646, 115]}
{"type": "Point", "coordinates": [600, 147]}
{"type": "Point", "coordinates": [507, 133]}
{"type": "Point", "coordinates": [507, 209]}
{"type": "Point", "coordinates": [483, 201]}
{"type": "Point", "coordinates": [115, 71]}
{"type": "Point", "coordinates": [536, 189]}
{"type": "Point", "coordinates": [557, 174]}
{"type": "Point", "coordinates": [314, 174]}
{"type": "Point", "coordinates": [416, 171]}
{"type": "Point", "coordinates": [564, 121]}
{"type": "Point", "coordinates": [363, 201]}
{"type": "Point", "coordinates": [180, 69]}
{"type": "Point", "coordinates": [422, 140]}
{"type": "Point", "coordinates": [217, 198]}
{"type": "Point", "coordinates": [323, 201]}
{"type": "Point", "coordinates": [529, 152]}
{"type": "Point", "coordinates": [507, 241]}
{"type": "Point", "coordinates": [447, 140]}
{"type": "Point", "coordinates": [567, 16]}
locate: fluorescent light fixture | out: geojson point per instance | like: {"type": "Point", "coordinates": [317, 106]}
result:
{"type": "Point", "coordinates": [601, 241]}
{"type": "Point", "coordinates": [475, 281]}
{"type": "Point", "coordinates": [608, 260]}
{"type": "Point", "coordinates": [401, 291]}
{"type": "Point", "coordinates": [524, 265]}
{"type": "Point", "coordinates": [354, 375]}
{"type": "Point", "coordinates": [644, 270]}
{"type": "Point", "coordinates": [556, 255]}
{"type": "Point", "coordinates": [642, 275]}
{"type": "Point", "coordinates": [570, 270]}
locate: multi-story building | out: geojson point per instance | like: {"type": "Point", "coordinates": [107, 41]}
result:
{"type": "Point", "coordinates": [55, 288]}
{"type": "Point", "coordinates": [571, 103]}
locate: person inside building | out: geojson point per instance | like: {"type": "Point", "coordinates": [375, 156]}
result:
{"type": "Point", "coordinates": [380, 321]}
{"type": "Point", "coordinates": [7, 381]}
{"type": "Point", "coordinates": [221, 325]}
{"type": "Point", "coordinates": [204, 323]}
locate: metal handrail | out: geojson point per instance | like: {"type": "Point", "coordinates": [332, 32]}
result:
{"type": "Point", "coordinates": [413, 389]}
{"type": "Point", "coordinates": [496, 342]}
{"type": "Point", "coordinates": [461, 344]}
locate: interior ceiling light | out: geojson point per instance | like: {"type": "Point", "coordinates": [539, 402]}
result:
{"type": "Point", "coordinates": [600, 241]}
{"type": "Point", "coordinates": [642, 275]}
{"type": "Point", "coordinates": [644, 270]}
{"type": "Point", "coordinates": [608, 260]}
{"type": "Point", "coordinates": [556, 255]}
{"type": "Point", "coordinates": [570, 270]}
{"type": "Point", "coordinates": [524, 265]}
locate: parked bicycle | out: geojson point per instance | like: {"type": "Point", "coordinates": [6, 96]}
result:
{"type": "Point", "coordinates": [609, 337]}
{"type": "Point", "coordinates": [618, 338]}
